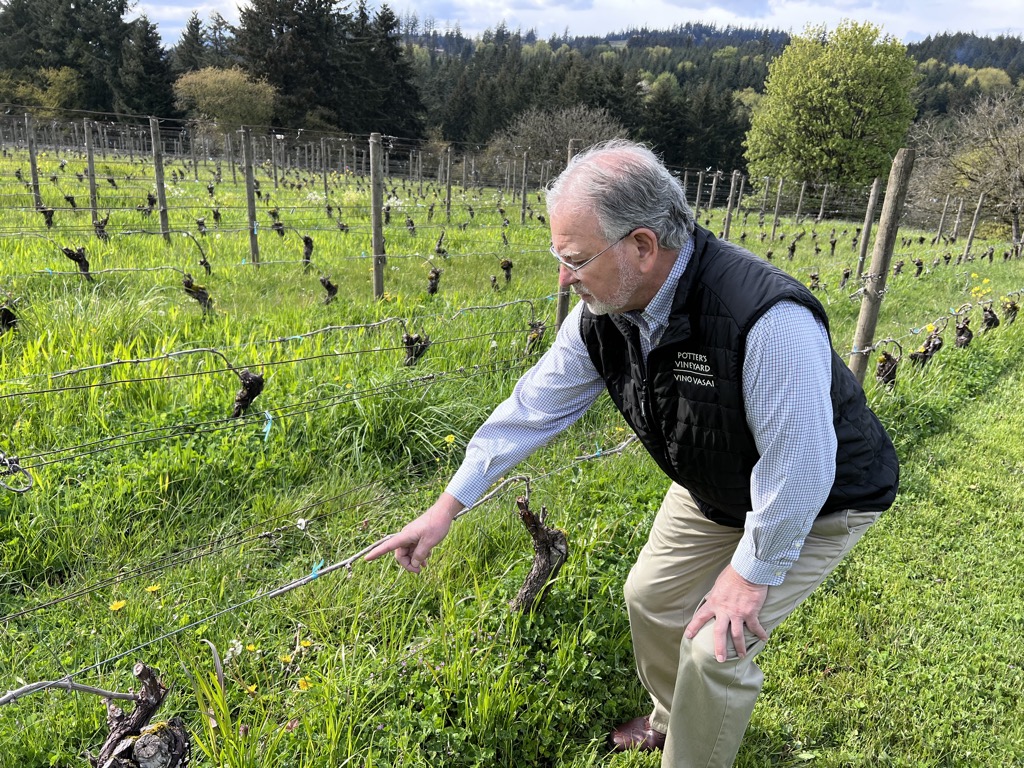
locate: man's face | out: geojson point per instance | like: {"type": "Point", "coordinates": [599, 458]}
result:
{"type": "Point", "coordinates": [609, 283]}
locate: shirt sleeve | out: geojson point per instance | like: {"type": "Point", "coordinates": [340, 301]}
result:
{"type": "Point", "coordinates": [548, 398]}
{"type": "Point", "coordinates": [787, 379]}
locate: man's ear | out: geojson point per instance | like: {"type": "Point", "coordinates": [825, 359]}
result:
{"type": "Point", "coordinates": [647, 246]}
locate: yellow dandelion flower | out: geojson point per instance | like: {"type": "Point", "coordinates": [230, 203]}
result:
{"type": "Point", "coordinates": [286, 658]}
{"type": "Point", "coordinates": [153, 588]}
{"type": "Point", "coordinates": [117, 605]}
{"type": "Point", "coordinates": [986, 281]}
{"type": "Point", "coordinates": [303, 684]}
{"type": "Point", "coordinates": [930, 327]}
{"type": "Point", "coordinates": [250, 647]}
{"type": "Point", "coordinates": [306, 643]}
{"type": "Point", "coordinates": [449, 439]}
{"type": "Point", "coordinates": [974, 274]}
{"type": "Point", "coordinates": [251, 688]}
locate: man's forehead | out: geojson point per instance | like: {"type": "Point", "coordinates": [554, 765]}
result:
{"type": "Point", "coordinates": [573, 224]}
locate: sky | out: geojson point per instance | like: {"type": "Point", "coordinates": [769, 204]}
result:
{"type": "Point", "coordinates": [907, 20]}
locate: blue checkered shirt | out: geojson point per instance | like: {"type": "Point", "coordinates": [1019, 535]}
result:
{"type": "Point", "coordinates": [786, 392]}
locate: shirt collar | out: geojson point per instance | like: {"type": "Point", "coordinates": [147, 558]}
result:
{"type": "Point", "coordinates": [655, 315]}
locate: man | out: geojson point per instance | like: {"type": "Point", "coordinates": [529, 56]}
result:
{"type": "Point", "coordinates": [722, 365]}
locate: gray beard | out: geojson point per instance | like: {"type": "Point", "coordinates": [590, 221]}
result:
{"type": "Point", "coordinates": [630, 279]}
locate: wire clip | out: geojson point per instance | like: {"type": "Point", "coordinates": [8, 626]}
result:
{"type": "Point", "coordinates": [9, 466]}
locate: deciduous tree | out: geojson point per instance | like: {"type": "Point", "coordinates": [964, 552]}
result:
{"type": "Point", "coordinates": [545, 135]}
{"type": "Point", "coordinates": [980, 150]}
{"type": "Point", "coordinates": [836, 107]}
{"type": "Point", "coordinates": [226, 96]}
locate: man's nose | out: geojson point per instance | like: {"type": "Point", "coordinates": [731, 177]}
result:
{"type": "Point", "coordinates": [566, 276]}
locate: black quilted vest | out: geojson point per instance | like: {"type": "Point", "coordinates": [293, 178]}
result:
{"type": "Point", "coordinates": [686, 403]}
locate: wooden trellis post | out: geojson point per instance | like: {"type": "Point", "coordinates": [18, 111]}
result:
{"type": "Point", "coordinates": [250, 195]}
{"type": "Point", "coordinates": [158, 172]}
{"type": "Point", "coordinates": [30, 139]}
{"type": "Point", "coordinates": [778, 208]}
{"type": "Point", "coordinates": [764, 202]}
{"type": "Point", "coordinates": [325, 164]}
{"type": "Point", "coordinates": [869, 219]}
{"type": "Point", "coordinates": [448, 184]}
{"type": "Point", "coordinates": [974, 225]}
{"type": "Point", "coordinates": [94, 203]}
{"type": "Point", "coordinates": [729, 205]}
{"type": "Point", "coordinates": [522, 209]}
{"type": "Point", "coordinates": [714, 190]}
{"type": "Point", "coordinates": [956, 222]}
{"type": "Point", "coordinates": [231, 158]}
{"type": "Point", "coordinates": [273, 158]}
{"type": "Point", "coordinates": [192, 150]}
{"type": "Point", "coordinates": [942, 219]}
{"type": "Point", "coordinates": [824, 197]}
{"type": "Point", "coordinates": [376, 213]}
{"type": "Point", "coordinates": [874, 285]}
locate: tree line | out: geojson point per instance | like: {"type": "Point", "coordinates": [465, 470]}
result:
{"type": "Point", "coordinates": [689, 90]}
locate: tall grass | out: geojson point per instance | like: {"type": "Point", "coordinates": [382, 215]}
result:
{"type": "Point", "coordinates": [153, 512]}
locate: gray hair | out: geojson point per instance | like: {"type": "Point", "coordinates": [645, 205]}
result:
{"type": "Point", "coordinates": [626, 186]}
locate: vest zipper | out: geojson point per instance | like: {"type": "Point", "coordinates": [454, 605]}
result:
{"type": "Point", "coordinates": [639, 374]}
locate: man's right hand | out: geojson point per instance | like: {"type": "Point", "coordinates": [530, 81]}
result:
{"type": "Point", "coordinates": [412, 544]}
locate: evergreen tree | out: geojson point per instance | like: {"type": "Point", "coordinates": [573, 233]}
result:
{"type": "Point", "coordinates": [297, 47]}
{"type": "Point", "coordinates": [456, 115]}
{"type": "Point", "coordinates": [500, 89]}
{"type": "Point", "coordinates": [400, 109]}
{"type": "Point", "coordinates": [189, 55]}
{"type": "Point", "coordinates": [85, 37]}
{"type": "Point", "coordinates": [144, 77]}
{"type": "Point", "coordinates": [18, 37]}
{"type": "Point", "coordinates": [715, 129]}
{"type": "Point", "coordinates": [665, 114]}
{"type": "Point", "coordinates": [220, 43]}
{"type": "Point", "coordinates": [380, 76]}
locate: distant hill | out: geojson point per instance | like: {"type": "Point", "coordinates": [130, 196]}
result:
{"type": "Point", "coordinates": [696, 34]}
{"type": "Point", "coordinates": [966, 48]}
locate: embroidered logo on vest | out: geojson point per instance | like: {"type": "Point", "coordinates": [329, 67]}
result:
{"type": "Point", "coordinates": [693, 368]}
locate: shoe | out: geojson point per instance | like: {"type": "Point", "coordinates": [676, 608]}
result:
{"type": "Point", "coordinates": [636, 734]}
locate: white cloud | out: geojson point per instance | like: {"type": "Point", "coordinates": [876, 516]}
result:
{"type": "Point", "coordinates": [904, 19]}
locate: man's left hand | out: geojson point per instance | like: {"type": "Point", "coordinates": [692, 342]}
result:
{"type": "Point", "coordinates": [733, 602]}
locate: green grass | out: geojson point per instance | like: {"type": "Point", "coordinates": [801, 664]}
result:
{"type": "Point", "coordinates": [145, 494]}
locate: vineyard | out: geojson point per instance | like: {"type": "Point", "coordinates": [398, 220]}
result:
{"type": "Point", "coordinates": [216, 394]}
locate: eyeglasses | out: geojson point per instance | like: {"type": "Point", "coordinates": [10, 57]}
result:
{"type": "Point", "coordinates": [577, 267]}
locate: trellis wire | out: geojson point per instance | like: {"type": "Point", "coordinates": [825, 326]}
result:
{"type": "Point", "coordinates": [346, 563]}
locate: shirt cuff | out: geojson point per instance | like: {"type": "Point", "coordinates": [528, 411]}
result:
{"type": "Point", "coordinates": [766, 572]}
{"type": "Point", "coordinates": [468, 484]}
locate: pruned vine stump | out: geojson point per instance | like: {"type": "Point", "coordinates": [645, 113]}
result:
{"type": "Point", "coordinates": [133, 742]}
{"type": "Point", "coordinates": [550, 550]}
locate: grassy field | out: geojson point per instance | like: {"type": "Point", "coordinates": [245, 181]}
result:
{"type": "Point", "coordinates": [156, 520]}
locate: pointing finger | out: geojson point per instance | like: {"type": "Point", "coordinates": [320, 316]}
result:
{"type": "Point", "coordinates": [390, 544]}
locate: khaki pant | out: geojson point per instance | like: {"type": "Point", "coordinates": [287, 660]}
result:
{"type": "Point", "coordinates": [705, 705]}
